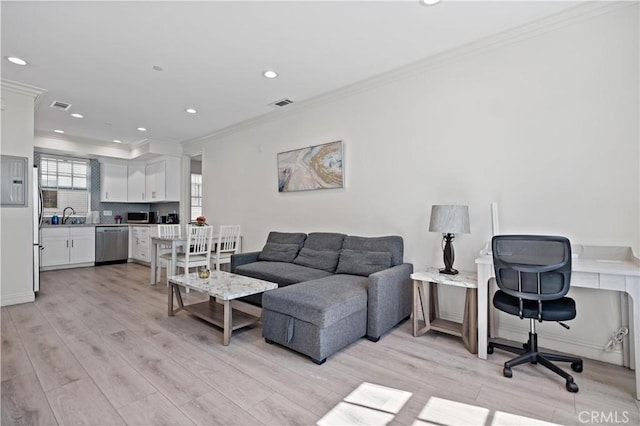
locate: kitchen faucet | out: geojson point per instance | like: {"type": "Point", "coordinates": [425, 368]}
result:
{"type": "Point", "coordinates": [64, 212]}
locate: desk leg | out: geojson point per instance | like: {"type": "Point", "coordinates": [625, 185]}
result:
{"type": "Point", "coordinates": [484, 273]}
{"type": "Point", "coordinates": [228, 326]}
{"type": "Point", "coordinates": [633, 290]}
{"type": "Point", "coordinates": [154, 255]}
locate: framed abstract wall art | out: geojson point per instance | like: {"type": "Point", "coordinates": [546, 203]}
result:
{"type": "Point", "coordinates": [314, 167]}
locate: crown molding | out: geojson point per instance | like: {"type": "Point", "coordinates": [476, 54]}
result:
{"type": "Point", "coordinates": [584, 11]}
{"type": "Point", "coordinates": [23, 89]}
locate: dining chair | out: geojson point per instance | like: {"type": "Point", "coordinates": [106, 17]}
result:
{"type": "Point", "coordinates": [197, 252]}
{"type": "Point", "coordinates": [166, 231]}
{"type": "Point", "coordinates": [228, 242]}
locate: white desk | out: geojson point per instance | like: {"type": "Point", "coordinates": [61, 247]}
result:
{"type": "Point", "coordinates": [175, 243]}
{"type": "Point", "coordinates": [600, 268]}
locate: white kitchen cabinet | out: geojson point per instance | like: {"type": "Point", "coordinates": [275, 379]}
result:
{"type": "Point", "coordinates": [155, 181]}
{"type": "Point", "coordinates": [67, 247]}
{"type": "Point", "coordinates": [140, 243]}
{"type": "Point", "coordinates": [113, 182]}
{"type": "Point", "coordinates": [136, 183]}
{"type": "Point", "coordinates": [163, 180]}
{"type": "Point", "coordinates": [82, 245]}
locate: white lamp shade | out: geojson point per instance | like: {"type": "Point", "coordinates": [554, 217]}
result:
{"type": "Point", "coordinates": [450, 219]}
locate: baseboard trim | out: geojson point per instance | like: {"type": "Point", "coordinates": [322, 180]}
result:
{"type": "Point", "coordinates": [16, 299]}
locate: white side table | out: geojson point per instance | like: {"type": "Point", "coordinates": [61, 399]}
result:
{"type": "Point", "coordinates": [426, 299]}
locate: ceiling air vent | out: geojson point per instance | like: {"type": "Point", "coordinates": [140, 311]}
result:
{"type": "Point", "coordinates": [60, 105]}
{"type": "Point", "coordinates": [281, 103]}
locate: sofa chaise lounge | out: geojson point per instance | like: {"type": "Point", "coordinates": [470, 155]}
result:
{"type": "Point", "coordinates": [332, 290]}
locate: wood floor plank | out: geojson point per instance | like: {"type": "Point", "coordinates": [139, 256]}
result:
{"type": "Point", "coordinates": [236, 385]}
{"type": "Point", "coordinates": [24, 402]}
{"type": "Point", "coordinates": [120, 382]}
{"type": "Point", "coordinates": [173, 380]}
{"type": "Point", "coordinates": [214, 408]}
{"type": "Point", "coordinates": [15, 360]}
{"type": "Point", "coordinates": [103, 334]}
{"type": "Point", "coordinates": [155, 410]}
{"type": "Point", "coordinates": [82, 403]}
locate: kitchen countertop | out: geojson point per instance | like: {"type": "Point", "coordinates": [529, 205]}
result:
{"type": "Point", "coordinates": [87, 225]}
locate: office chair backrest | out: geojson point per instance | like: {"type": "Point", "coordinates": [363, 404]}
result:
{"type": "Point", "coordinates": [532, 267]}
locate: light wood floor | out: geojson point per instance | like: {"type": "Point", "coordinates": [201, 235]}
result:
{"type": "Point", "coordinates": [97, 348]}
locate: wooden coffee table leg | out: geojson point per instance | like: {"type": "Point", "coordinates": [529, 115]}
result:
{"type": "Point", "coordinates": [170, 300]}
{"type": "Point", "coordinates": [228, 327]}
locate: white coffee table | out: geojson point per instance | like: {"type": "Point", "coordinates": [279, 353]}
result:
{"type": "Point", "coordinates": [223, 288]}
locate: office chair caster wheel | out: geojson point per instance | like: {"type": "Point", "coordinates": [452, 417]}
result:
{"type": "Point", "coordinates": [489, 350]}
{"type": "Point", "coordinates": [577, 367]}
{"type": "Point", "coordinates": [506, 372]}
{"type": "Point", "coordinates": [571, 386]}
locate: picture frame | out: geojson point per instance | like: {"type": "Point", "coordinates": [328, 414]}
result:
{"type": "Point", "coordinates": [314, 167]}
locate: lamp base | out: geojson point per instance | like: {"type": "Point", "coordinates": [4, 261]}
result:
{"type": "Point", "coordinates": [448, 271]}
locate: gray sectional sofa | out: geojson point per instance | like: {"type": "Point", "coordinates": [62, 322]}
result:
{"type": "Point", "coordinates": [332, 290]}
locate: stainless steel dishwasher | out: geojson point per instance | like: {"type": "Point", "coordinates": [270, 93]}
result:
{"type": "Point", "coordinates": [112, 244]}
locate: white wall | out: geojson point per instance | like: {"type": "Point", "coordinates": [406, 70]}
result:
{"type": "Point", "coordinates": [16, 248]}
{"type": "Point", "coordinates": [544, 122]}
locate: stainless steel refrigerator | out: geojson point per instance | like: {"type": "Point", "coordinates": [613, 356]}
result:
{"type": "Point", "coordinates": [37, 206]}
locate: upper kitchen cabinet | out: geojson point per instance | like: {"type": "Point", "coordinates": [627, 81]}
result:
{"type": "Point", "coordinates": [136, 183]}
{"type": "Point", "coordinates": [113, 182]}
{"type": "Point", "coordinates": [163, 180]}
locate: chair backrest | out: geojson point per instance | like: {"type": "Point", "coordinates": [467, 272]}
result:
{"type": "Point", "coordinates": [169, 231]}
{"type": "Point", "coordinates": [228, 241]}
{"type": "Point", "coordinates": [532, 267]}
{"type": "Point", "coordinates": [199, 240]}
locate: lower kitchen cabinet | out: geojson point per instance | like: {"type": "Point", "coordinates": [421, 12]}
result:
{"type": "Point", "coordinates": [67, 247]}
{"type": "Point", "coordinates": [141, 242]}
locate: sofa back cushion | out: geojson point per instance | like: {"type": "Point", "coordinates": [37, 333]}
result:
{"type": "Point", "coordinates": [282, 246]}
{"type": "Point", "coordinates": [331, 241]}
{"type": "Point", "coordinates": [325, 260]}
{"type": "Point", "coordinates": [392, 244]}
{"type": "Point", "coordinates": [362, 262]}
{"type": "Point", "coordinates": [321, 251]}
{"type": "Point", "coordinates": [277, 252]}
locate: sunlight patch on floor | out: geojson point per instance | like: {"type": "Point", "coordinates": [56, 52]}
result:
{"type": "Point", "coordinates": [374, 405]}
{"type": "Point", "coordinates": [368, 404]}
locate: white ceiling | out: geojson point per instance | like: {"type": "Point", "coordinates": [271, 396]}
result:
{"type": "Point", "coordinates": [98, 56]}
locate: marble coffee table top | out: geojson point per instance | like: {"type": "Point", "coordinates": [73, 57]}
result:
{"type": "Point", "coordinates": [223, 285]}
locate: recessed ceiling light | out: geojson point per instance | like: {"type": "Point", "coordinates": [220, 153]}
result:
{"type": "Point", "coordinates": [76, 115]}
{"type": "Point", "coordinates": [190, 111]}
{"type": "Point", "coordinates": [16, 60]}
{"type": "Point", "coordinates": [142, 129]}
{"type": "Point", "coordinates": [117, 141]}
{"type": "Point", "coordinates": [59, 131]}
{"type": "Point", "coordinates": [270, 74]}
{"type": "Point", "coordinates": [429, 2]}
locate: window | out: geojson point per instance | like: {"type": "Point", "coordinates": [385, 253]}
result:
{"type": "Point", "coordinates": [65, 183]}
{"type": "Point", "coordinates": [196, 195]}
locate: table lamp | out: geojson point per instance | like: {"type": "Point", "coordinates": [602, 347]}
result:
{"type": "Point", "coordinates": [449, 220]}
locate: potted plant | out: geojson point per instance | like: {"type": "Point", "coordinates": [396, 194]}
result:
{"type": "Point", "coordinates": [201, 221]}
{"type": "Point", "coordinates": [118, 218]}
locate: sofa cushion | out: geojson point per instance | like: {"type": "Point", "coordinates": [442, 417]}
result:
{"type": "Point", "coordinates": [278, 252]}
{"type": "Point", "coordinates": [361, 262]}
{"type": "Point", "coordinates": [282, 273]}
{"type": "Point", "coordinates": [287, 238]}
{"type": "Point", "coordinates": [321, 302]}
{"type": "Point", "coordinates": [392, 244]}
{"type": "Point", "coordinates": [324, 241]}
{"type": "Point", "coordinates": [318, 259]}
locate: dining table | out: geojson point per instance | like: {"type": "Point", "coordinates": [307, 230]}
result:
{"type": "Point", "coordinates": [175, 243]}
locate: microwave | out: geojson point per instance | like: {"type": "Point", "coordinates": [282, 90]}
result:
{"type": "Point", "coordinates": [141, 217]}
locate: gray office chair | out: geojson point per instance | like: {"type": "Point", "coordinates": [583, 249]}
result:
{"type": "Point", "coordinates": [533, 274]}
